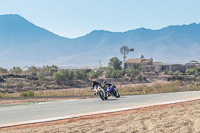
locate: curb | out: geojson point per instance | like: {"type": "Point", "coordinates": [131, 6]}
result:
{"type": "Point", "coordinates": [93, 113]}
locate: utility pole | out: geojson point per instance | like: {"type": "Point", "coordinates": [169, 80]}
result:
{"type": "Point", "coordinates": [100, 65]}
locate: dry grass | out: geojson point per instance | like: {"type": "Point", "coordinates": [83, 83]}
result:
{"type": "Point", "coordinates": [173, 86]}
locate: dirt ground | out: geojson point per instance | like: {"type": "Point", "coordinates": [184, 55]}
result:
{"type": "Point", "coordinates": [172, 118]}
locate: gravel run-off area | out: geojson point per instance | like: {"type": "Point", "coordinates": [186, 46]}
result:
{"type": "Point", "coordinates": [172, 118]}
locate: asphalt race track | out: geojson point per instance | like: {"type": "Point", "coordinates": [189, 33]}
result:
{"type": "Point", "coordinates": [43, 110]}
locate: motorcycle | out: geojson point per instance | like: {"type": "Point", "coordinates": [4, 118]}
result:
{"type": "Point", "coordinates": [112, 90]}
{"type": "Point", "coordinates": [99, 91]}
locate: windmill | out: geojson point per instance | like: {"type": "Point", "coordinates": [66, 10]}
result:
{"type": "Point", "coordinates": [124, 51]}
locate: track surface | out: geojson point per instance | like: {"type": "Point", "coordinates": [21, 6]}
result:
{"type": "Point", "coordinates": [43, 110]}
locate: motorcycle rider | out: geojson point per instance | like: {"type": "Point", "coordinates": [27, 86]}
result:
{"type": "Point", "coordinates": [95, 84]}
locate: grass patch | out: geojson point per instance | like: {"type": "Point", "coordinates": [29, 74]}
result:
{"type": "Point", "coordinates": [4, 95]}
{"type": "Point", "coordinates": [27, 94]}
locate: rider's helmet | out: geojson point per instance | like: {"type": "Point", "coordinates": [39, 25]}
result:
{"type": "Point", "coordinates": [94, 80]}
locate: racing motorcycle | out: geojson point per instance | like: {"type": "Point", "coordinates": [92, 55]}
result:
{"type": "Point", "coordinates": [112, 90]}
{"type": "Point", "coordinates": [99, 90]}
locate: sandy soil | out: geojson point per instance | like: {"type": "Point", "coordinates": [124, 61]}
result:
{"type": "Point", "coordinates": [173, 118]}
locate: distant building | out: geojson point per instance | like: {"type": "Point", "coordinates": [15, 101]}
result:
{"type": "Point", "coordinates": [193, 62]}
{"type": "Point", "coordinates": [176, 67]}
{"type": "Point", "coordinates": [148, 65]}
{"type": "Point", "coordinates": [160, 66]}
{"type": "Point", "coordinates": [138, 61]}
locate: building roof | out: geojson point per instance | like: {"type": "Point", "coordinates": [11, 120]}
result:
{"type": "Point", "coordinates": [159, 63]}
{"type": "Point", "coordinates": [175, 65]}
{"type": "Point", "coordinates": [138, 61]}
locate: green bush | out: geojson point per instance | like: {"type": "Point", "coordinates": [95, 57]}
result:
{"type": "Point", "coordinates": [27, 94]}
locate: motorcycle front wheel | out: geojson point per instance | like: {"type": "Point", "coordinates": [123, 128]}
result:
{"type": "Point", "coordinates": [101, 95]}
{"type": "Point", "coordinates": [116, 94]}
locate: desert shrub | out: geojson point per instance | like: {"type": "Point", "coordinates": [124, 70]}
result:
{"type": "Point", "coordinates": [170, 73]}
{"type": "Point", "coordinates": [139, 78]}
{"type": "Point", "coordinates": [41, 76]}
{"type": "Point", "coordinates": [53, 86]}
{"type": "Point", "coordinates": [32, 76]}
{"type": "Point", "coordinates": [2, 79]}
{"type": "Point", "coordinates": [33, 69]}
{"type": "Point", "coordinates": [133, 71]}
{"type": "Point", "coordinates": [189, 71]}
{"type": "Point", "coordinates": [27, 94]}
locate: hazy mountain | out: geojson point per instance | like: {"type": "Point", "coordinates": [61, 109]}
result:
{"type": "Point", "coordinates": [22, 43]}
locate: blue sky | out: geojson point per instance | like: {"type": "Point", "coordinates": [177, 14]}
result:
{"type": "Point", "coordinates": [74, 18]}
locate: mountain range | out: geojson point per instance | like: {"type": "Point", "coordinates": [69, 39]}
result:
{"type": "Point", "coordinates": [23, 44]}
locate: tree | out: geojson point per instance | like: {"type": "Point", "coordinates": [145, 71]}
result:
{"type": "Point", "coordinates": [71, 75]}
{"type": "Point", "coordinates": [115, 63]}
{"type": "Point", "coordinates": [95, 74]}
{"type": "Point", "coordinates": [16, 70]}
{"type": "Point", "coordinates": [3, 70]}
{"type": "Point", "coordinates": [62, 74]}
{"type": "Point", "coordinates": [33, 69]}
{"type": "Point", "coordinates": [142, 57]}
{"type": "Point", "coordinates": [80, 74]}
{"type": "Point", "coordinates": [114, 73]}
{"type": "Point", "coordinates": [52, 70]}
